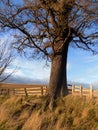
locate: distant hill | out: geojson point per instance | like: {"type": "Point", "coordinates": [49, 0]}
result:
{"type": "Point", "coordinates": [23, 80]}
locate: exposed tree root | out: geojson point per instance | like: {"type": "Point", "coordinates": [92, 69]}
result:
{"type": "Point", "coordinates": [49, 104]}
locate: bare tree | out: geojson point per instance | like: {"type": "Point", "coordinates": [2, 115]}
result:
{"type": "Point", "coordinates": [49, 27]}
{"type": "Point", "coordinates": [6, 58]}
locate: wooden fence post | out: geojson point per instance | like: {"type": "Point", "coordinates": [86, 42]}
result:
{"type": "Point", "coordinates": [91, 91]}
{"type": "Point", "coordinates": [73, 87]}
{"type": "Point", "coordinates": [26, 92]}
{"type": "Point", "coordinates": [13, 91]}
{"type": "Point", "coordinates": [46, 90]}
{"type": "Point", "coordinates": [0, 91]}
{"type": "Point", "coordinates": [8, 91]}
{"type": "Point", "coordinates": [81, 90]}
{"type": "Point", "coordinates": [42, 90]}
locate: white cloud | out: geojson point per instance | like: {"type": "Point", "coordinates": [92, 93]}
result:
{"type": "Point", "coordinates": [79, 79]}
{"type": "Point", "coordinates": [19, 73]}
{"type": "Point", "coordinates": [3, 39]}
{"type": "Point", "coordinates": [34, 69]}
{"type": "Point", "coordinates": [8, 70]}
{"type": "Point", "coordinates": [31, 69]}
{"type": "Point", "coordinates": [6, 38]}
{"type": "Point", "coordinates": [14, 72]}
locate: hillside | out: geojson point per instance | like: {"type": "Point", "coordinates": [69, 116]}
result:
{"type": "Point", "coordinates": [70, 113]}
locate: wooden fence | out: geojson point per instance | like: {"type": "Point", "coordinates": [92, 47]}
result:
{"type": "Point", "coordinates": [22, 89]}
{"type": "Point", "coordinates": [81, 91]}
{"type": "Point", "coordinates": [38, 89]}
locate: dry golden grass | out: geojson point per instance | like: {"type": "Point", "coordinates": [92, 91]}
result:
{"type": "Point", "coordinates": [71, 113]}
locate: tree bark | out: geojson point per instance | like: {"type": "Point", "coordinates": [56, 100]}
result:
{"type": "Point", "coordinates": [58, 76]}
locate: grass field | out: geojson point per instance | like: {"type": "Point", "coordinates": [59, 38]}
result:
{"type": "Point", "coordinates": [4, 85]}
{"type": "Point", "coordinates": [70, 113]}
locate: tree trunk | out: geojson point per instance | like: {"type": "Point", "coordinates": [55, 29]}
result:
{"type": "Point", "coordinates": [58, 77]}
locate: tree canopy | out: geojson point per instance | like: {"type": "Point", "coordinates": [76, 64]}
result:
{"type": "Point", "coordinates": [40, 22]}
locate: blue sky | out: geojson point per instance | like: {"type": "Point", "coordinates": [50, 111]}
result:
{"type": "Point", "coordinates": [82, 66]}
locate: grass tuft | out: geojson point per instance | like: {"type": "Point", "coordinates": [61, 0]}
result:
{"type": "Point", "coordinates": [70, 113]}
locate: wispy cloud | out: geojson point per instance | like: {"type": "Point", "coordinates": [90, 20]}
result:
{"type": "Point", "coordinates": [81, 66]}
{"type": "Point", "coordinates": [6, 38]}
{"type": "Point", "coordinates": [80, 79]}
{"type": "Point", "coordinates": [14, 72]}
{"type": "Point", "coordinates": [34, 69]}
{"type": "Point", "coordinates": [31, 69]}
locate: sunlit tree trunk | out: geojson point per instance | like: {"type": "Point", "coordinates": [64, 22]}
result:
{"type": "Point", "coordinates": [58, 76]}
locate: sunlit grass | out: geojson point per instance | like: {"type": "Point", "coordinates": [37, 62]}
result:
{"type": "Point", "coordinates": [70, 113]}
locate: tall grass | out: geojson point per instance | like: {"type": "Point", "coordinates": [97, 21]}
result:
{"type": "Point", "coordinates": [70, 113]}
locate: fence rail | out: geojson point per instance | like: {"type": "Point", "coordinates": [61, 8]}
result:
{"type": "Point", "coordinates": [22, 89]}
{"type": "Point", "coordinates": [38, 89]}
{"type": "Point", "coordinates": [81, 91]}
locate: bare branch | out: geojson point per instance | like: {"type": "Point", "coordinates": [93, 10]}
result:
{"type": "Point", "coordinates": [6, 58]}
{"type": "Point", "coordinates": [41, 21]}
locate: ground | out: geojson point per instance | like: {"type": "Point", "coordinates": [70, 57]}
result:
{"type": "Point", "coordinates": [26, 113]}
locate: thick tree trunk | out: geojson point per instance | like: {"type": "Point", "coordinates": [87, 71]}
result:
{"type": "Point", "coordinates": [58, 77]}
